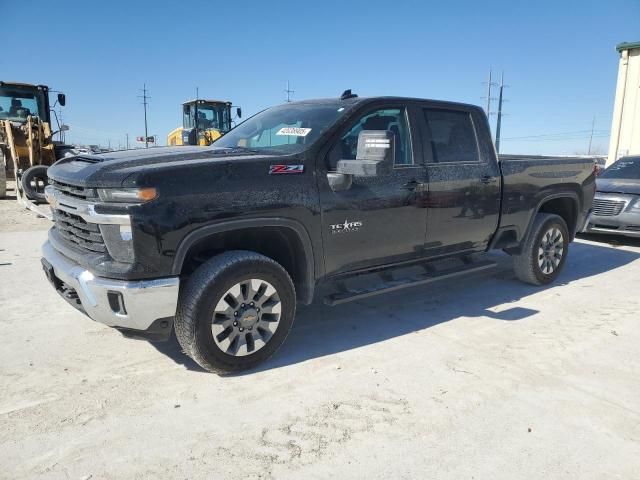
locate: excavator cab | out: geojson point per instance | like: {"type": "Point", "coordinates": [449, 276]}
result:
{"type": "Point", "coordinates": [27, 147]}
{"type": "Point", "coordinates": [203, 122]}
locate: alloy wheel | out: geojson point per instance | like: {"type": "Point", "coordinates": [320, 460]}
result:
{"type": "Point", "coordinates": [246, 317]}
{"type": "Point", "coordinates": [550, 250]}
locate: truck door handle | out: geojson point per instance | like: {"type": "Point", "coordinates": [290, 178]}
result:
{"type": "Point", "coordinates": [413, 185]}
{"type": "Point", "coordinates": [487, 179]}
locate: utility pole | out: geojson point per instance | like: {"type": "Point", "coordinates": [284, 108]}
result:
{"type": "Point", "coordinates": [490, 84]}
{"type": "Point", "coordinates": [61, 135]}
{"type": "Point", "coordinates": [288, 91]}
{"type": "Point", "coordinates": [593, 124]}
{"type": "Point", "coordinates": [499, 122]}
{"type": "Point", "coordinates": [145, 97]}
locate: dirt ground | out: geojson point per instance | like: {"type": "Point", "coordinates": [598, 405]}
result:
{"type": "Point", "coordinates": [14, 218]}
{"type": "Point", "coordinates": [480, 378]}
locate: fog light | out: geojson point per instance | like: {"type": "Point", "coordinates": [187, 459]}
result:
{"type": "Point", "coordinates": [116, 302]}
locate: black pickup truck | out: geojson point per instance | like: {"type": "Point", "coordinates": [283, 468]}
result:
{"type": "Point", "coordinates": [220, 243]}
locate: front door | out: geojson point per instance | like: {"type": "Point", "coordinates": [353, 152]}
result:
{"type": "Point", "coordinates": [378, 220]}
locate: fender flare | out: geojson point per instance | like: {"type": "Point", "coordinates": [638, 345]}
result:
{"type": "Point", "coordinates": [202, 233]}
{"type": "Point", "coordinates": [567, 194]}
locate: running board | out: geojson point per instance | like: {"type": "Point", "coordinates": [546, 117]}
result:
{"type": "Point", "coordinates": [391, 285]}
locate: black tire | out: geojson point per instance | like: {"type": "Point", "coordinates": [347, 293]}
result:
{"type": "Point", "coordinates": [33, 181]}
{"type": "Point", "coordinates": [207, 286]}
{"type": "Point", "coordinates": [527, 264]}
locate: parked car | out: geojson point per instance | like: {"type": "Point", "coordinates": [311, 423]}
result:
{"type": "Point", "coordinates": [616, 206]}
{"type": "Point", "coordinates": [222, 242]}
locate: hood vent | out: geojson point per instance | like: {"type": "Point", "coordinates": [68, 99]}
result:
{"type": "Point", "coordinates": [87, 159]}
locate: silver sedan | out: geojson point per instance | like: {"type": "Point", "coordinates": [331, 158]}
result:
{"type": "Point", "coordinates": [616, 206]}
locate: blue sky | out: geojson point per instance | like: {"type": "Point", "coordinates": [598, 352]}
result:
{"type": "Point", "coordinates": [558, 56]}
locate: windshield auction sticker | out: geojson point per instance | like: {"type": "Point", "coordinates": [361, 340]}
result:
{"type": "Point", "coordinates": [294, 132]}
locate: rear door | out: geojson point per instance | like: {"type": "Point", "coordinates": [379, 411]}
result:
{"type": "Point", "coordinates": [464, 180]}
{"type": "Point", "coordinates": [378, 220]}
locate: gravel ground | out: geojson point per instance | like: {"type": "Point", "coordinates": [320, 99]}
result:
{"type": "Point", "coordinates": [479, 378]}
{"type": "Point", "coordinates": [14, 218]}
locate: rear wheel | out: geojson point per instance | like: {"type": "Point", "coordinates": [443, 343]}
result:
{"type": "Point", "coordinates": [545, 251]}
{"type": "Point", "coordinates": [34, 180]}
{"type": "Point", "coordinates": [235, 311]}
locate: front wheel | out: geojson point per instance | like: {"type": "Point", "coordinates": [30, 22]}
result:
{"type": "Point", "coordinates": [544, 252]}
{"type": "Point", "coordinates": [235, 311]}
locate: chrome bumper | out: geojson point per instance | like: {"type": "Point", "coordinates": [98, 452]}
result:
{"type": "Point", "coordinates": [131, 305]}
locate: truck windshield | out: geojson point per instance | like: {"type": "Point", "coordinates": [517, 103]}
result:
{"type": "Point", "coordinates": [289, 128]}
{"type": "Point", "coordinates": [627, 168]}
{"type": "Point", "coordinates": [17, 103]}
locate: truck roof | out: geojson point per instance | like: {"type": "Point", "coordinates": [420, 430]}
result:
{"type": "Point", "coordinates": [205, 101]}
{"type": "Point", "coordinates": [363, 100]}
{"type": "Point", "coordinates": [20, 84]}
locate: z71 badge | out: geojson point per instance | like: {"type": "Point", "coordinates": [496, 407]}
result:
{"type": "Point", "coordinates": [284, 169]}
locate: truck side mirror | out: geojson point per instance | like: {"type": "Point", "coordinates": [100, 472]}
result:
{"type": "Point", "coordinates": [374, 155]}
{"type": "Point", "coordinates": [239, 112]}
{"type": "Point", "coordinates": [64, 128]}
{"type": "Point", "coordinates": [62, 99]}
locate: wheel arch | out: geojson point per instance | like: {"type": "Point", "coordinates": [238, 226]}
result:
{"type": "Point", "coordinates": [284, 240]}
{"type": "Point", "coordinates": [565, 205]}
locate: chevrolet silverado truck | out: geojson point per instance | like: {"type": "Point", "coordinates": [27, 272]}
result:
{"type": "Point", "coordinates": [221, 243]}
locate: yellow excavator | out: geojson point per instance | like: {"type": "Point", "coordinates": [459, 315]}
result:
{"type": "Point", "coordinates": [203, 122]}
{"type": "Point", "coordinates": [27, 147]}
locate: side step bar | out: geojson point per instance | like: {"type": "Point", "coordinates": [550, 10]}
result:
{"type": "Point", "coordinates": [391, 285]}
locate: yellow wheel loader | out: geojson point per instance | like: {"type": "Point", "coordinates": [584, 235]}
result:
{"type": "Point", "coordinates": [26, 140]}
{"type": "Point", "coordinates": [203, 122]}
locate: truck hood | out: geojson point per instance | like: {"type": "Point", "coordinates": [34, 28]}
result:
{"type": "Point", "coordinates": [113, 168]}
{"type": "Point", "coordinates": [618, 185]}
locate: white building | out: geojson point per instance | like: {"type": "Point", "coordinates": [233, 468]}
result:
{"type": "Point", "coordinates": [625, 127]}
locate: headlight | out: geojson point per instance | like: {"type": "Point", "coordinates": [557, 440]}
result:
{"type": "Point", "coordinates": [127, 195]}
{"type": "Point", "coordinates": [636, 205]}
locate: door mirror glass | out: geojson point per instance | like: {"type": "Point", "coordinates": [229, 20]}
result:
{"type": "Point", "coordinates": [62, 99]}
{"type": "Point", "coordinates": [239, 112]}
{"type": "Point", "coordinates": [339, 182]}
{"type": "Point", "coordinates": [374, 155]}
{"type": "Point", "coordinates": [64, 128]}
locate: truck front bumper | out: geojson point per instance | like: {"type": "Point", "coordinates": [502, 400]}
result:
{"type": "Point", "coordinates": [132, 306]}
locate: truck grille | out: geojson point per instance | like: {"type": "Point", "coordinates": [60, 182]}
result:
{"type": "Point", "coordinates": [607, 208]}
{"type": "Point", "coordinates": [74, 191]}
{"type": "Point", "coordinates": [73, 228]}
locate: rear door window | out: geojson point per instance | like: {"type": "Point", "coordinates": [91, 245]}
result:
{"type": "Point", "coordinates": [452, 136]}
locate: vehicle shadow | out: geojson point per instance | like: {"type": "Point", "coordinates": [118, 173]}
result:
{"type": "Point", "coordinates": [320, 330]}
{"type": "Point", "coordinates": [613, 240]}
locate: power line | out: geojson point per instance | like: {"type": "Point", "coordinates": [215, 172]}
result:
{"type": "Point", "coordinates": [555, 139]}
{"type": "Point", "coordinates": [572, 133]}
